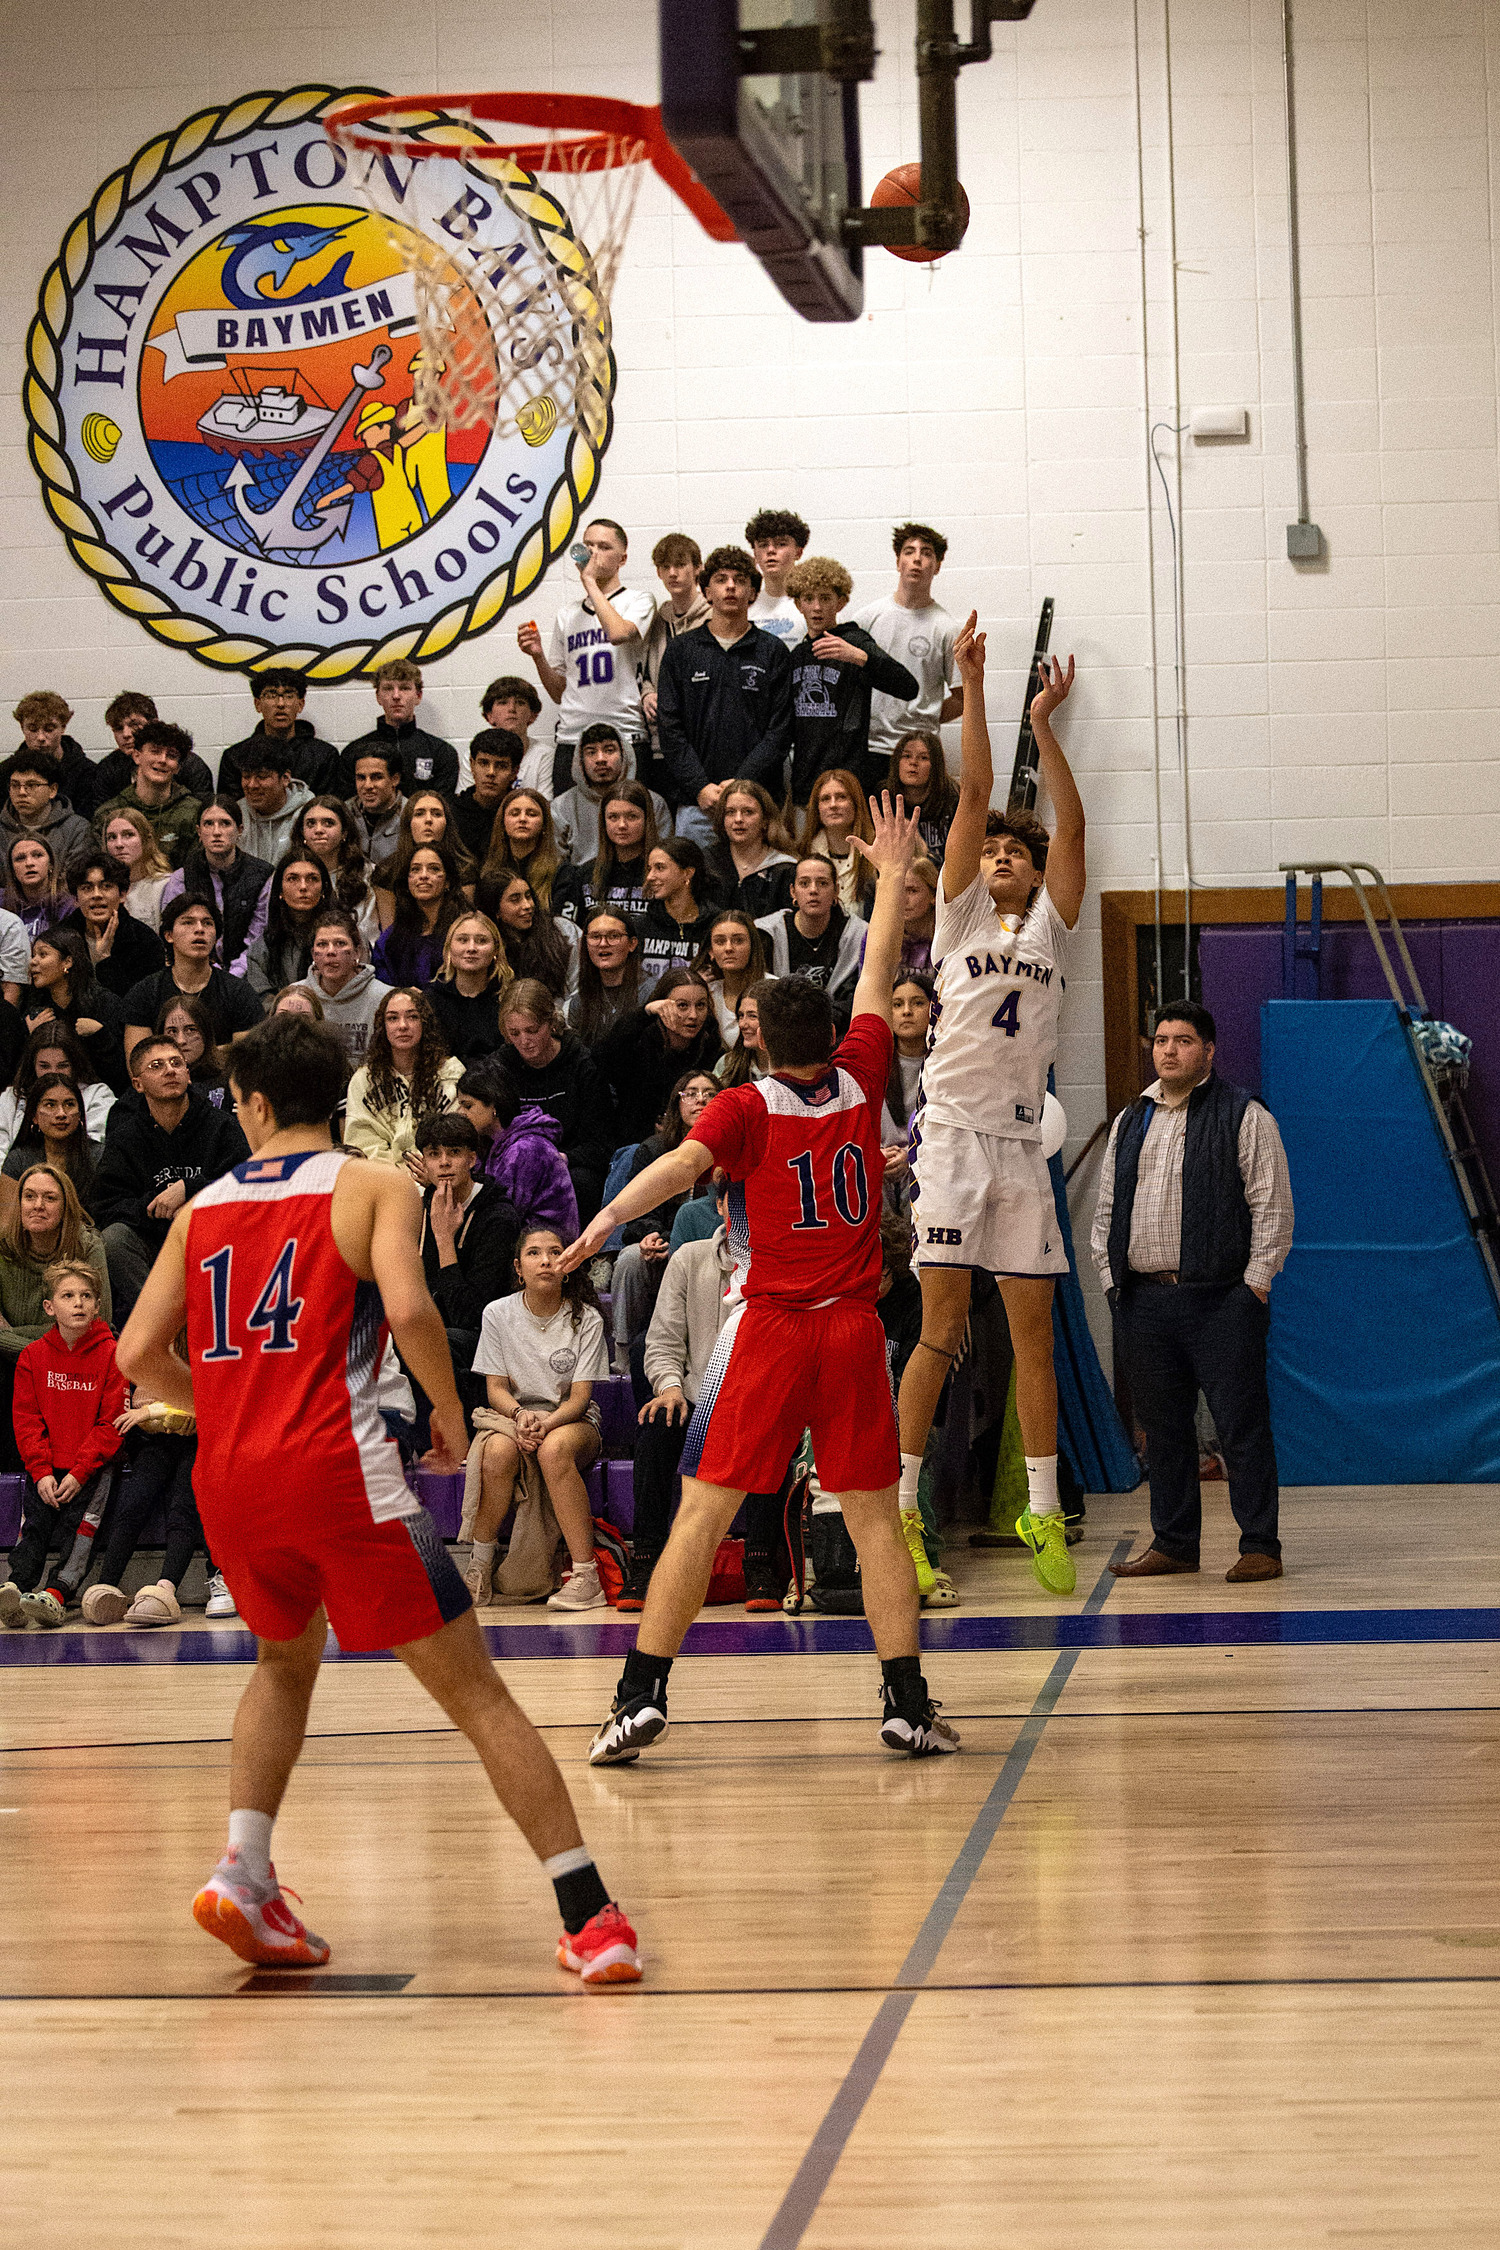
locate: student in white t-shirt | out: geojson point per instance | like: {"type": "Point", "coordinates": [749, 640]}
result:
{"type": "Point", "coordinates": [1007, 900]}
{"type": "Point", "coordinates": [594, 663]}
{"type": "Point", "coordinates": [920, 634]}
{"type": "Point", "coordinates": [541, 1352]}
{"type": "Point", "coordinates": [513, 705]}
{"type": "Point", "coordinates": [777, 538]}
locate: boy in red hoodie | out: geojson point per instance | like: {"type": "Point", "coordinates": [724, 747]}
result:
{"type": "Point", "coordinates": [68, 1393]}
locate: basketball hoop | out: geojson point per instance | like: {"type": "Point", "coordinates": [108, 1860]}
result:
{"type": "Point", "coordinates": [517, 338]}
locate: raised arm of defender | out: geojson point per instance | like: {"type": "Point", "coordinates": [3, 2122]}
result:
{"type": "Point", "coordinates": [890, 854]}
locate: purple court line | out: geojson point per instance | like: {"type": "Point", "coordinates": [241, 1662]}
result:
{"type": "Point", "coordinates": [823, 1636]}
{"type": "Point", "coordinates": [798, 2206]}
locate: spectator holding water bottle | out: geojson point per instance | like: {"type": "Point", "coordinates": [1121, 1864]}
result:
{"type": "Point", "coordinates": [593, 664]}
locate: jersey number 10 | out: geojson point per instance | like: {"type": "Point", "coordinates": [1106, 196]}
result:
{"type": "Point", "coordinates": [276, 1311]}
{"type": "Point", "coordinates": [851, 1194]}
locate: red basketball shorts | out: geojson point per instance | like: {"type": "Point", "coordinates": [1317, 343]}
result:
{"type": "Point", "coordinates": [382, 1584]}
{"type": "Point", "coordinates": [778, 1370]}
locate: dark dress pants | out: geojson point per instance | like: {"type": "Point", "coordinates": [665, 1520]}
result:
{"type": "Point", "coordinates": [1180, 1340]}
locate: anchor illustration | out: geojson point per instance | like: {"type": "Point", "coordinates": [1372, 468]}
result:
{"type": "Point", "coordinates": [277, 526]}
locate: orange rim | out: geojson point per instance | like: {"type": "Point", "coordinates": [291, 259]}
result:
{"type": "Point", "coordinates": [609, 133]}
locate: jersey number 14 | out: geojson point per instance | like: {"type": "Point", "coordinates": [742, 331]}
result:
{"type": "Point", "coordinates": [276, 1311]}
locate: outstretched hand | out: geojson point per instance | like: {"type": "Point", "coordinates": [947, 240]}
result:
{"type": "Point", "coordinates": [894, 846]}
{"type": "Point", "coordinates": [1055, 688]}
{"type": "Point", "coordinates": [968, 652]}
{"type": "Point", "coordinates": [588, 1245]}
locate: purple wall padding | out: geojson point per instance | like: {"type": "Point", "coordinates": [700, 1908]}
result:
{"type": "Point", "coordinates": [1458, 963]}
{"type": "Point", "coordinates": [1471, 999]}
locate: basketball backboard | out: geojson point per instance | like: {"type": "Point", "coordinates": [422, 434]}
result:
{"type": "Point", "coordinates": [761, 98]}
{"type": "Point", "coordinates": [777, 147]}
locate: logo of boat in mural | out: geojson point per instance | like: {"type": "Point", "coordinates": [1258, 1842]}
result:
{"type": "Point", "coordinates": [222, 415]}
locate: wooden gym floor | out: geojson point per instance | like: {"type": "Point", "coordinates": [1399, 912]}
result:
{"type": "Point", "coordinates": [1196, 1944]}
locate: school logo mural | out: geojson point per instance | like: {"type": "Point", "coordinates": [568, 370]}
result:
{"type": "Point", "coordinates": [219, 393]}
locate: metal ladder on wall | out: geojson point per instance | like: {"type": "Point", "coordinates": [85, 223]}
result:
{"type": "Point", "coordinates": [1465, 1160]}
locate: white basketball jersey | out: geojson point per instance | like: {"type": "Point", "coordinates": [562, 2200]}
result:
{"type": "Point", "coordinates": [994, 1018]}
{"type": "Point", "coordinates": [601, 678]}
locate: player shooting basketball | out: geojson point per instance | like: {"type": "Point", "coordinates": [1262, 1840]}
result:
{"type": "Point", "coordinates": [1007, 899]}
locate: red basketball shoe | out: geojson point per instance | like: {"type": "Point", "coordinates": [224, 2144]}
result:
{"type": "Point", "coordinates": [254, 1920]}
{"type": "Point", "coordinates": [603, 1951]}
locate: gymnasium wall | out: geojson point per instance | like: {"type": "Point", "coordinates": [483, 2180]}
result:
{"type": "Point", "coordinates": [1343, 708]}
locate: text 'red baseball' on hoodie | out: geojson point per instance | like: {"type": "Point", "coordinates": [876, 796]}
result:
{"type": "Point", "coordinates": [66, 1403]}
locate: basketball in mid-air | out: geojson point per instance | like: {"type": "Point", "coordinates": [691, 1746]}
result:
{"type": "Point", "coordinates": [904, 185]}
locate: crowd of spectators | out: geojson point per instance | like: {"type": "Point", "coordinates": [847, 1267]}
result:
{"type": "Point", "coordinates": [540, 959]}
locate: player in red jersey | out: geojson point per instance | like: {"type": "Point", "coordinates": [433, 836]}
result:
{"type": "Point", "coordinates": [286, 1272]}
{"type": "Point", "coordinates": [803, 1347]}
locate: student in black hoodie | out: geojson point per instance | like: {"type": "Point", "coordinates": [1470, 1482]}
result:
{"type": "Point", "coordinates": [425, 758]}
{"type": "Point", "coordinates": [724, 699]}
{"type": "Point", "coordinates": [64, 989]}
{"type": "Point", "coordinates": [835, 671]}
{"type": "Point", "coordinates": [551, 1069]}
{"type": "Point", "coordinates": [279, 695]}
{"type": "Point", "coordinates": [121, 949]}
{"type": "Point", "coordinates": [467, 990]}
{"type": "Point", "coordinates": [163, 1142]}
{"type": "Point", "coordinates": [648, 1051]}
{"type": "Point", "coordinates": [495, 756]}
{"type": "Point", "coordinates": [617, 877]}
{"type": "Point", "coordinates": [43, 718]}
{"type": "Point", "coordinates": [468, 1240]}
{"type": "Point", "coordinates": [675, 926]}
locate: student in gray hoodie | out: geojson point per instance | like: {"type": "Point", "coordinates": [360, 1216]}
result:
{"type": "Point", "coordinates": [272, 799]}
{"type": "Point", "coordinates": [348, 988]}
{"type": "Point", "coordinates": [601, 761]}
{"type": "Point", "coordinates": [34, 806]}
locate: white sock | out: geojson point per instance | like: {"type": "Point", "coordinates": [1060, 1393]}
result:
{"type": "Point", "coordinates": [250, 1837]}
{"type": "Point", "coordinates": [1041, 1484]}
{"type": "Point", "coordinates": [484, 1553]}
{"type": "Point", "coordinates": [568, 1863]}
{"type": "Point", "coordinates": [911, 1472]}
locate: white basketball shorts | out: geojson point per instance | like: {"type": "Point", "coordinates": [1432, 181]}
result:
{"type": "Point", "coordinates": [982, 1201]}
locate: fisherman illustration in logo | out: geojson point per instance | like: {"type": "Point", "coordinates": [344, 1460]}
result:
{"type": "Point", "coordinates": [426, 451]}
{"type": "Point", "coordinates": [381, 470]}
{"type": "Point", "coordinates": [277, 526]}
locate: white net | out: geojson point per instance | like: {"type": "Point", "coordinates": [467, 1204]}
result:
{"type": "Point", "coordinates": [515, 335]}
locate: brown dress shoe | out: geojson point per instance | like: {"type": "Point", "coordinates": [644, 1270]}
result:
{"type": "Point", "coordinates": [1253, 1566]}
{"type": "Point", "coordinates": [1152, 1564]}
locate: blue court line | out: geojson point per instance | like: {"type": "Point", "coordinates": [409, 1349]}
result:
{"type": "Point", "coordinates": [824, 1636]}
{"type": "Point", "coordinates": [797, 2207]}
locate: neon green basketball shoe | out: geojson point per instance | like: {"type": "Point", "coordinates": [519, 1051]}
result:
{"type": "Point", "coordinates": [1051, 1563]}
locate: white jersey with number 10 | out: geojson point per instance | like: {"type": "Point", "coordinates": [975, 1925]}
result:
{"type": "Point", "coordinates": [994, 1019]}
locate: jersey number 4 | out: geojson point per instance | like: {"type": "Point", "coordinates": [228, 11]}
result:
{"type": "Point", "coordinates": [851, 1194]}
{"type": "Point", "coordinates": [1007, 1016]}
{"type": "Point", "coordinates": [276, 1311]}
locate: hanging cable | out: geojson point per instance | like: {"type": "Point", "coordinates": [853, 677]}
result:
{"type": "Point", "coordinates": [1175, 429]}
{"type": "Point", "coordinates": [1141, 231]}
{"type": "Point", "coordinates": [1179, 590]}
